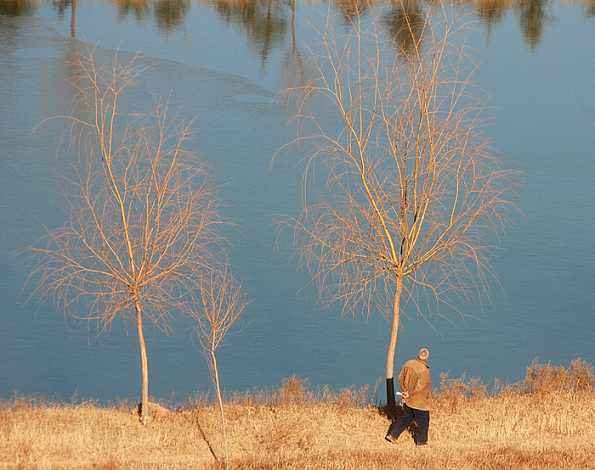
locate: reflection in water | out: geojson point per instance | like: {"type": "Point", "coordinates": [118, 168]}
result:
{"type": "Point", "coordinates": [264, 22]}
{"type": "Point", "coordinates": [61, 6]}
{"type": "Point", "coordinates": [12, 33]}
{"type": "Point", "coordinates": [293, 67]}
{"type": "Point", "coordinates": [138, 8]}
{"type": "Point", "coordinates": [169, 14]}
{"type": "Point", "coordinates": [405, 24]}
{"type": "Point", "coordinates": [532, 15]}
{"type": "Point", "coordinates": [351, 9]}
{"type": "Point", "coordinates": [491, 12]}
{"type": "Point", "coordinates": [17, 7]}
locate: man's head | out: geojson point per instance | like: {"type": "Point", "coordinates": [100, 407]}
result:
{"type": "Point", "coordinates": [423, 354]}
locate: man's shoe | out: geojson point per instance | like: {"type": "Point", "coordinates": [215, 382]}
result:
{"type": "Point", "coordinates": [390, 439]}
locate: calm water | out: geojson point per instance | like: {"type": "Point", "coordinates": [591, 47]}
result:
{"type": "Point", "coordinates": [225, 62]}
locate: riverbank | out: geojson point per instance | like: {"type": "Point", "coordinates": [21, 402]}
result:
{"type": "Point", "coordinates": [545, 421]}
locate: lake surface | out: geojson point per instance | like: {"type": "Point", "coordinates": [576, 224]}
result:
{"type": "Point", "coordinates": [225, 61]}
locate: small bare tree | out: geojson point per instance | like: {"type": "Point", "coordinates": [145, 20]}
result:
{"type": "Point", "coordinates": [412, 187]}
{"type": "Point", "coordinates": [141, 214]}
{"type": "Point", "coordinates": [216, 310]}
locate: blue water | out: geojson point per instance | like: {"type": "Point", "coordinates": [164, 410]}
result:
{"type": "Point", "coordinates": [226, 67]}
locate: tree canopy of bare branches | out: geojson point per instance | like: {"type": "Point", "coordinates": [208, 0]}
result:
{"type": "Point", "coordinates": [413, 189]}
{"type": "Point", "coordinates": [142, 216]}
{"type": "Point", "coordinates": [216, 307]}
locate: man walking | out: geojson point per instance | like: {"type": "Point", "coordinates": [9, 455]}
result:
{"type": "Point", "coordinates": [416, 386]}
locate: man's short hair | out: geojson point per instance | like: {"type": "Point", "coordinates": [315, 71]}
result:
{"type": "Point", "coordinates": [423, 353]}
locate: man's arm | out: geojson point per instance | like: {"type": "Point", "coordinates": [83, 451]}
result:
{"type": "Point", "coordinates": [408, 380]}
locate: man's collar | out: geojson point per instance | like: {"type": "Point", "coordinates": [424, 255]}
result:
{"type": "Point", "coordinates": [425, 363]}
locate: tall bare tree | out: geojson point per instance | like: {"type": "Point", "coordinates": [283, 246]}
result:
{"type": "Point", "coordinates": [217, 307]}
{"type": "Point", "coordinates": [141, 220]}
{"type": "Point", "coordinates": [412, 188]}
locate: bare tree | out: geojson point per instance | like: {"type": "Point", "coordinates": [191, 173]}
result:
{"type": "Point", "coordinates": [412, 188]}
{"type": "Point", "coordinates": [141, 222]}
{"type": "Point", "coordinates": [216, 310]}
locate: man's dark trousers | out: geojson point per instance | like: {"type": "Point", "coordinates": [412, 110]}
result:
{"type": "Point", "coordinates": [422, 420]}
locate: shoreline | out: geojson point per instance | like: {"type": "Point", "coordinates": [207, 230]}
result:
{"type": "Point", "coordinates": [546, 420]}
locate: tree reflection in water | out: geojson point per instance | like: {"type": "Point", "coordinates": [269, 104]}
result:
{"type": "Point", "coordinates": [405, 24]}
{"type": "Point", "coordinates": [263, 21]}
{"type": "Point", "coordinates": [351, 9]}
{"type": "Point", "coordinates": [492, 12]}
{"type": "Point", "coordinates": [266, 23]}
{"type": "Point", "coordinates": [138, 8]}
{"type": "Point", "coordinates": [169, 14]}
{"type": "Point", "coordinates": [18, 7]}
{"type": "Point", "coordinates": [293, 73]}
{"type": "Point", "coordinates": [61, 6]}
{"type": "Point", "coordinates": [532, 16]}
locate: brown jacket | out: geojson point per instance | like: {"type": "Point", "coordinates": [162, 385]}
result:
{"type": "Point", "coordinates": [416, 381]}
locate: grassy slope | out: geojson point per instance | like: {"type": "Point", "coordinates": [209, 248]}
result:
{"type": "Point", "coordinates": [535, 427]}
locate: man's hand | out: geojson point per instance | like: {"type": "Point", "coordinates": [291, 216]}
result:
{"type": "Point", "coordinates": [405, 394]}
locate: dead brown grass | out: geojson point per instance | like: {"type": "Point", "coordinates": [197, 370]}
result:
{"type": "Point", "coordinates": [545, 421]}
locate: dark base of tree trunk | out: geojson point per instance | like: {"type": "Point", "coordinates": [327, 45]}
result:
{"type": "Point", "coordinates": [390, 392]}
{"type": "Point", "coordinates": [155, 410]}
{"type": "Point", "coordinates": [391, 410]}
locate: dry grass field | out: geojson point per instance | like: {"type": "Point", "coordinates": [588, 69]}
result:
{"type": "Point", "coordinates": [545, 421]}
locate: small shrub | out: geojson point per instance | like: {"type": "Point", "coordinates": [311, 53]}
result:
{"type": "Point", "coordinates": [547, 378]}
{"type": "Point", "coordinates": [294, 390]}
{"type": "Point", "coordinates": [453, 391]}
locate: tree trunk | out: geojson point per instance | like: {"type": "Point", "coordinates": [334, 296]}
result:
{"type": "Point", "coordinates": [392, 346]}
{"type": "Point", "coordinates": [144, 394]}
{"type": "Point", "coordinates": [73, 18]}
{"type": "Point", "coordinates": [293, 36]}
{"type": "Point", "coordinates": [220, 400]}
